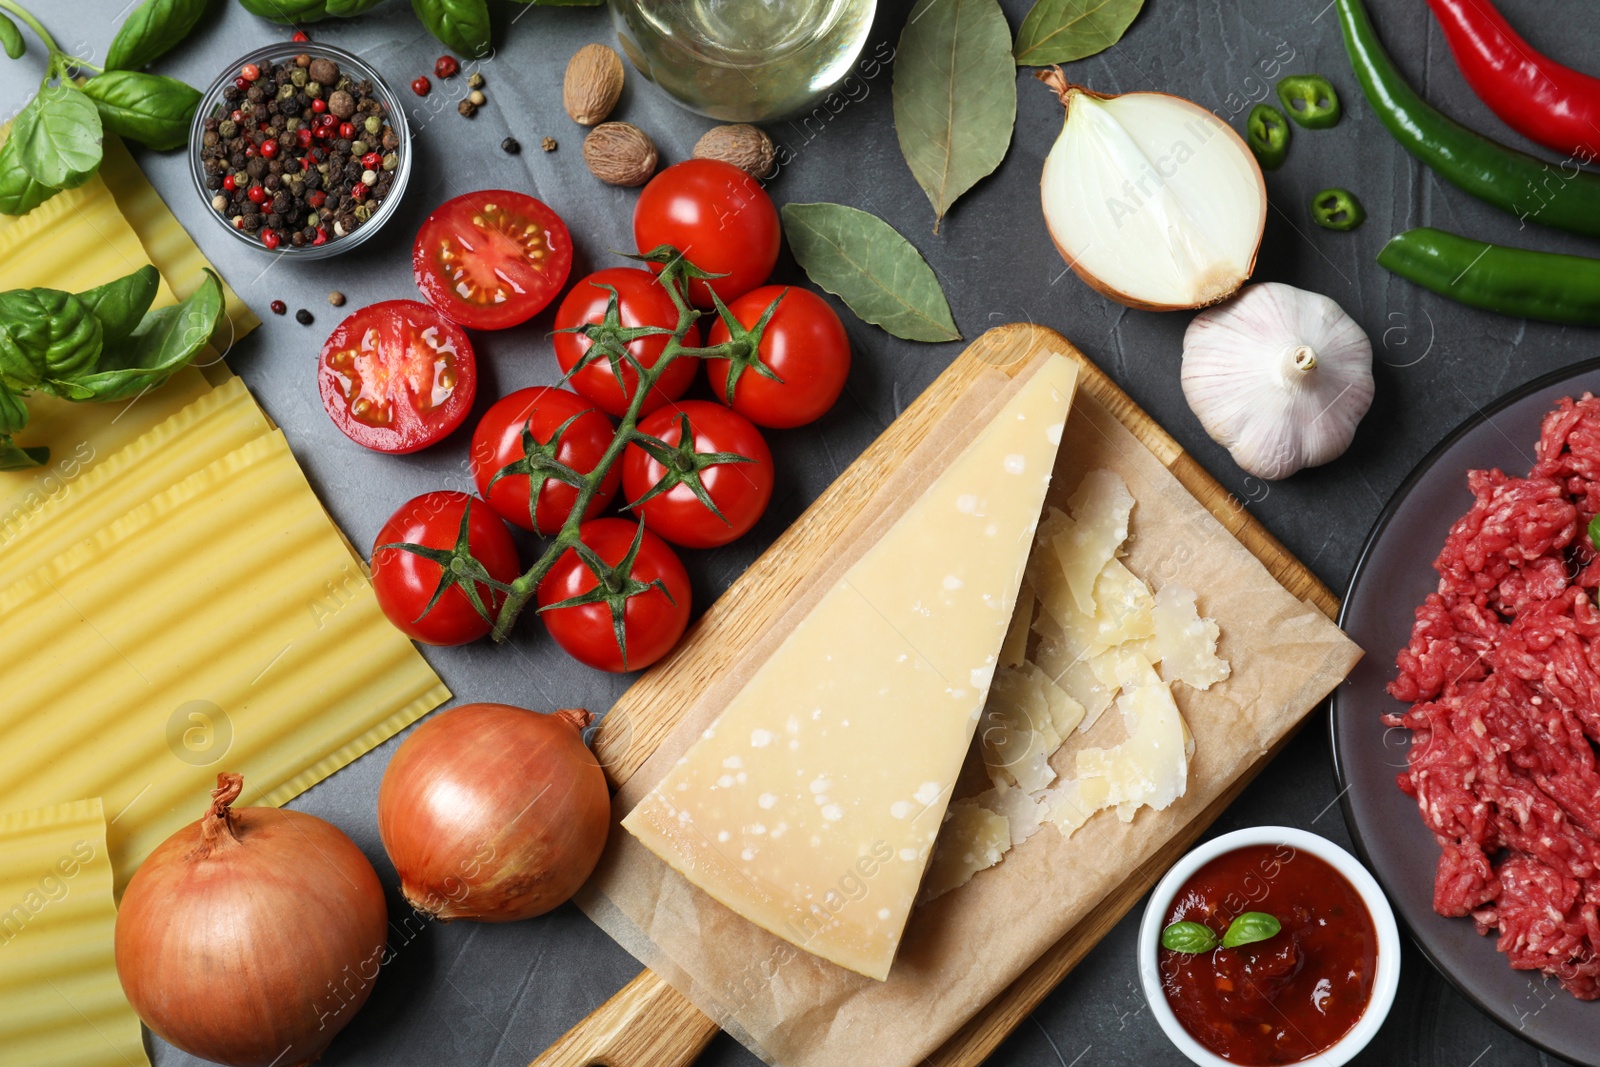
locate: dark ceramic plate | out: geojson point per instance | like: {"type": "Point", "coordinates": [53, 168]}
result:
{"type": "Point", "coordinates": [1391, 578]}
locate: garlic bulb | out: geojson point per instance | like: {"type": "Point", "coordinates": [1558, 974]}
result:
{"type": "Point", "coordinates": [1153, 200]}
{"type": "Point", "coordinates": [1279, 377]}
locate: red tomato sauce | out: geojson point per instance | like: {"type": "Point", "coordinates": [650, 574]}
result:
{"type": "Point", "coordinates": [1291, 996]}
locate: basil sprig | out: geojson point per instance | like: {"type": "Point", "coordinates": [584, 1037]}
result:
{"type": "Point", "coordinates": [1192, 938]}
{"type": "Point", "coordinates": [101, 345]}
{"type": "Point", "coordinates": [56, 140]}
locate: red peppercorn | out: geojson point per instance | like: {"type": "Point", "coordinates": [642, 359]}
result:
{"type": "Point", "coordinates": [250, 151]}
{"type": "Point", "coordinates": [329, 121]}
{"type": "Point", "coordinates": [446, 67]}
{"type": "Point", "coordinates": [238, 222]}
{"type": "Point", "coordinates": [300, 37]}
{"type": "Point", "coordinates": [229, 184]}
{"type": "Point", "coordinates": [237, 116]}
{"type": "Point", "coordinates": [269, 149]}
{"type": "Point", "coordinates": [279, 307]}
{"type": "Point", "coordinates": [372, 161]}
{"type": "Point", "coordinates": [270, 239]}
{"type": "Point", "coordinates": [241, 83]}
{"type": "Point", "coordinates": [316, 198]}
{"type": "Point", "coordinates": [250, 72]}
{"type": "Point", "coordinates": [322, 236]}
{"type": "Point", "coordinates": [257, 194]}
{"type": "Point", "coordinates": [319, 105]}
{"type": "Point", "coordinates": [358, 192]}
{"type": "Point", "coordinates": [422, 86]}
{"type": "Point", "coordinates": [347, 130]}
{"type": "Point", "coordinates": [302, 137]}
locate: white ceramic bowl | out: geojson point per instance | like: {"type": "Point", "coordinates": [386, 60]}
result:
{"type": "Point", "coordinates": [1384, 984]}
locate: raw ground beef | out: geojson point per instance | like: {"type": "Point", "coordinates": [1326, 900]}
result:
{"type": "Point", "coordinates": [1503, 678]}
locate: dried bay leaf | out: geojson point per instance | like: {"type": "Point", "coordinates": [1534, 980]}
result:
{"type": "Point", "coordinates": [955, 95]}
{"type": "Point", "coordinates": [1060, 31]}
{"type": "Point", "coordinates": [865, 262]}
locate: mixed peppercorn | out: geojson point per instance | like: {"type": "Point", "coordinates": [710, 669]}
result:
{"type": "Point", "coordinates": [299, 153]}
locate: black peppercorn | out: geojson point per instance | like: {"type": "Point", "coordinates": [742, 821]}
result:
{"type": "Point", "coordinates": [297, 239]}
{"type": "Point", "coordinates": [304, 317]}
{"type": "Point", "coordinates": [275, 221]}
{"type": "Point", "coordinates": [230, 93]}
{"type": "Point", "coordinates": [511, 146]}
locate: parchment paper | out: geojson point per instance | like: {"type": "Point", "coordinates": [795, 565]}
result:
{"type": "Point", "coordinates": [961, 950]}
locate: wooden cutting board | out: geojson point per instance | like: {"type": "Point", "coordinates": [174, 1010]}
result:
{"type": "Point", "coordinates": [650, 1024]}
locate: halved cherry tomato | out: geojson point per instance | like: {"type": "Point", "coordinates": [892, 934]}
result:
{"type": "Point", "coordinates": [397, 376]}
{"type": "Point", "coordinates": [804, 344]}
{"type": "Point", "coordinates": [740, 491]}
{"type": "Point", "coordinates": [641, 301]}
{"type": "Point", "coordinates": [405, 582]}
{"type": "Point", "coordinates": [498, 443]}
{"type": "Point", "coordinates": [652, 620]}
{"type": "Point", "coordinates": [492, 259]}
{"type": "Point", "coordinates": [718, 217]}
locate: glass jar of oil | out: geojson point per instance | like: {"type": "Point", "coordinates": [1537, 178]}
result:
{"type": "Point", "coordinates": [743, 60]}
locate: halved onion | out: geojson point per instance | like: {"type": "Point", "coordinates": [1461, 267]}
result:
{"type": "Point", "coordinates": [1151, 199]}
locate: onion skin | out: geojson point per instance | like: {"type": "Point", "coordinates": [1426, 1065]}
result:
{"type": "Point", "coordinates": [494, 813]}
{"type": "Point", "coordinates": [253, 936]}
{"type": "Point", "coordinates": [1063, 89]}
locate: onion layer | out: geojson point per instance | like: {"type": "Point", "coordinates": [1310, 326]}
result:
{"type": "Point", "coordinates": [494, 813]}
{"type": "Point", "coordinates": [253, 936]}
{"type": "Point", "coordinates": [1151, 199]}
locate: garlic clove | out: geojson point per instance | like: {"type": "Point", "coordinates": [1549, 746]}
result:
{"type": "Point", "coordinates": [1278, 376]}
{"type": "Point", "coordinates": [1152, 200]}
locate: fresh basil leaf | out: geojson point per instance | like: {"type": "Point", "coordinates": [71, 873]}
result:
{"type": "Point", "coordinates": [13, 457]}
{"type": "Point", "coordinates": [462, 25]}
{"type": "Point", "coordinates": [287, 11]}
{"type": "Point", "coordinates": [344, 9]}
{"type": "Point", "coordinates": [866, 263]}
{"type": "Point", "coordinates": [1060, 31]}
{"type": "Point", "coordinates": [559, 3]}
{"type": "Point", "coordinates": [58, 136]}
{"type": "Point", "coordinates": [955, 96]}
{"type": "Point", "coordinates": [120, 305]}
{"type": "Point", "coordinates": [166, 340]}
{"type": "Point", "coordinates": [1594, 531]}
{"type": "Point", "coordinates": [1188, 937]}
{"type": "Point", "coordinates": [1250, 927]}
{"type": "Point", "coordinates": [13, 412]}
{"type": "Point", "coordinates": [149, 108]}
{"type": "Point", "coordinates": [19, 193]}
{"type": "Point", "coordinates": [154, 27]}
{"type": "Point", "coordinates": [50, 334]}
{"type": "Point", "coordinates": [11, 37]}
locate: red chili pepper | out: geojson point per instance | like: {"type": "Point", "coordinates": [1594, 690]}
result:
{"type": "Point", "coordinates": [1539, 98]}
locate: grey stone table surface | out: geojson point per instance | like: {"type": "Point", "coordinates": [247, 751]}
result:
{"type": "Point", "coordinates": [468, 994]}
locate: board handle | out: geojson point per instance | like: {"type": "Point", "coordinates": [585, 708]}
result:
{"type": "Point", "coordinates": [647, 1024]}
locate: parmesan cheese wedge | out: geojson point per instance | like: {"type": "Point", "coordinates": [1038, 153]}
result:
{"type": "Point", "coordinates": [811, 805]}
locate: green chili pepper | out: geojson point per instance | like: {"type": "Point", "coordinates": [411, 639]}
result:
{"type": "Point", "coordinates": [1337, 209]}
{"type": "Point", "coordinates": [1555, 194]}
{"type": "Point", "coordinates": [1514, 281]}
{"type": "Point", "coordinates": [1310, 100]}
{"type": "Point", "coordinates": [1267, 134]}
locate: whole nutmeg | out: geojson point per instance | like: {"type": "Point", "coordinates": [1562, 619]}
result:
{"type": "Point", "coordinates": [592, 85]}
{"type": "Point", "coordinates": [744, 146]}
{"type": "Point", "coordinates": [619, 153]}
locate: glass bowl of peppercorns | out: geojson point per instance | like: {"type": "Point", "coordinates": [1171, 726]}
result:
{"type": "Point", "coordinates": [301, 150]}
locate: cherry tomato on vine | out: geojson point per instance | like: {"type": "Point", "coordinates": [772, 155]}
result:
{"type": "Point", "coordinates": [740, 491]}
{"type": "Point", "coordinates": [803, 344]}
{"type": "Point", "coordinates": [406, 581]}
{"type": "Point", "coordinates": [652, 621]}
{"type": "Point", "coordinates": [498, 446]}
{"type": "Point", "coordinates": [397, 376]}
{"type": "Point", "coordinates": [641, 301]}
{"type": "Point", "coordinates": [492, 259]}
{"type": "Point", "coordinates": [718, 217]}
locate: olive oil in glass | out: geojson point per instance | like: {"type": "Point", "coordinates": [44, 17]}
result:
{"type": "Point", "coordinates": [743, 60]}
